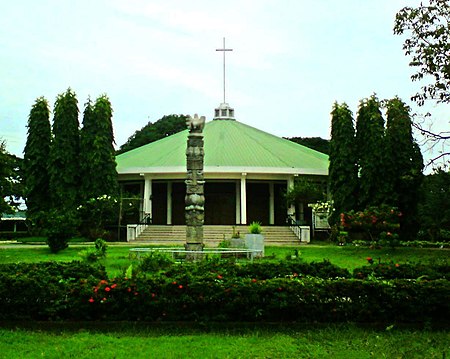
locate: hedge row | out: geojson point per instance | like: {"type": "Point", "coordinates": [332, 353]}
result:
{"type": "Point", "coordinates": [34, 295]}
{"type": "Point", "coordinates": [297, 268]}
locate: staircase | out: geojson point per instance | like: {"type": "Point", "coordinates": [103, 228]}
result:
{"type": "Point", "coordinates": [213, 235]}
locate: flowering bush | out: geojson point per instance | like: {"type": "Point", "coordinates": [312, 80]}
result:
{"type": "Point", "coordinates": [373, 221]}
{"type": "Point", "coordinates": [72, 291]}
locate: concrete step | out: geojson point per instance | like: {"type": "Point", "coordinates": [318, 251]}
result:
{"type": "Point", "coordinates": [213, 235]}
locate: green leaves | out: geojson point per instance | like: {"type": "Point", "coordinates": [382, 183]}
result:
{"type": "Point", "coordinates": [166, 126]}
{"type": "Point", "coordinates": [36, 158]}
{"type": "Point", "coordinates": [343, 156]}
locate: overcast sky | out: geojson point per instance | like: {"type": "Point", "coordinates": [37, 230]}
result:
{"type": "Point", "coordinates": [291, 59]}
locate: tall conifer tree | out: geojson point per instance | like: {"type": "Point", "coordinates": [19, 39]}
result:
{"type": "Point", "coordinates": [404, 165]}
{"type": "Point", "coordinates": [64, 167]}
{"type": "Point", "coordinates": [36, 158]}
{"type": "Point", "coordinates": [97, 151]}
{"type": "Point", "coordinates": [373, 187]}
{"type": "Point", "coordinates": [343, 173]}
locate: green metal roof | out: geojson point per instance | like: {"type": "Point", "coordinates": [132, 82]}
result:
{"type": "Point", "coordinates": [230, 146]}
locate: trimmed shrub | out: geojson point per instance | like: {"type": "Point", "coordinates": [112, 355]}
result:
{"type": "Point", "coordinates": [403, 271]}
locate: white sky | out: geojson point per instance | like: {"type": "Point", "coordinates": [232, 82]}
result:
{"type": "Point", "coordinates": [291, 60]}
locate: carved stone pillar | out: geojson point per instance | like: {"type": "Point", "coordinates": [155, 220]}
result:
{"type": "Point", "coordinates": [195, 198]}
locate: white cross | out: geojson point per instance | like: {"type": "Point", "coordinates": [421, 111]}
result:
{"type": "Point", "coordinates": [224, 50]}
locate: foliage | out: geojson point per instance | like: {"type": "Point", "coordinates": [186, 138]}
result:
{"type": "Point", "coordinates": [155, 261]}
{"type": "Point", "coordinates": [393, 270]}
{"type": "Point", "coordinates": [36, 159]}
{"type": "Point", "coordinates": [64, 153]}
{"type": "Point", "coordinates": [217, 297]}
{"type": "Point", "coordinates": [59, 228]}
{"type": "Point", "coordinates": [403, 166]}
{"type": "Point", "coordinates": [315, 143]}
{"type": "Point", "coordinates": [373, 221]}
{"type": "Point", "coordinates": [98, 252]}
{"type": "Point", "coordinates": [97, 154]}
{"type": "Point", "coordinates": [373, 183]}
{"type": "Point", "coordinates": [304, 190]}
{"type": "Point", "coordinates": [428, 45]}
{"type": "Point", "coordinates": [254, 228]}
{"type": "Point", "coordinates": [10, 191]}
{"type": "Point", "coordinates": [343, 171]}
{"type": "Point", "coordinates": [166, 126]}
{"type": "Point", "coordinates": [95, 213]}
{"type": "Point", "coordinates": [434, 209]}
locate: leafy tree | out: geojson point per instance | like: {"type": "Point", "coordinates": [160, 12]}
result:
{"type": "Point", "coordinates": [428, 27]}
{"type": "Point", "coordinates": [373, 184]}
{"type": "Point", "coordinates": [434, 209]}
{"type": "Point", "coordinates": [403, 165]}
{"type": "Point", "coordinates": [315, 143]}
{"type": "Point", "coordinates": [343, 172]}
{"type": "Point", "coordinates": [166, 126]}
{"type": "Point", "coordinates": [8, 181]}
{"type": "Point", "coordinates": [64, 169]}
{"type": "Point", "coordinates": [36, 158]}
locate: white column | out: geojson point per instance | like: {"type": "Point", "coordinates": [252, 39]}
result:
{"type": "Point", "coordinates": [148, 196]}
{"type": "Point", "coordinates": [238, 203]}
{"type": "Point", "coordinates": [271, 204]}
{"type": "Point", "coordinates": [169, 202]}
{"type": "Point", "coordinates": [290, 185]}
{"type": "Point", "coordinates": [243, 199]}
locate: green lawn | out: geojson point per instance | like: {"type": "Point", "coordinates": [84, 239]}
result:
{"type": "Point", "coordinates": [175, 342]}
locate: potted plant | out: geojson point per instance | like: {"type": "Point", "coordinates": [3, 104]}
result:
{"type": "Point", "coordinates": [254, 239]}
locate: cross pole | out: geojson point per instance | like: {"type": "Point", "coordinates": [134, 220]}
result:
{"type": "Point", "coordinates": [224, 50]}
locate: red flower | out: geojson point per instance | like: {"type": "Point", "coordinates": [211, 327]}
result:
{"type": "Point", "coordinates": [103, 281]}
{"type": "Point", "coordinates": [254, 280]}
{"type": "Point", "coordinates": [107, 289]}
{"type": "Point", "coordinates": [153, 295]}
{"type": "Point", "coordinates": [129, 289]}
{"type": "Point", "coordinates": [180, 286]}
{"type": "Point", "coordinates": [174, 282]}
{"type": "Point", "coordinates": [219, 277]}
{"type": "Point", "coordinates": [113, 286]}
{"type": "Point", "coordinates": [397, 265]}
{"type": "Point", "coordinates": [91, 300]}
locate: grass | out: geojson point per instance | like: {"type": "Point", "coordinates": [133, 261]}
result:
{"type": "Point", "coordinates": [124, 341]}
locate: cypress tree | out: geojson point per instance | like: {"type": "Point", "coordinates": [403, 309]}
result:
{"type": "Point", "coordinates": [36, 159]}
{"type": "Point", "coordinates": [343, 175]}
{"type": "Point", "coordinates": [97, 151]}
{"type": "Point", "coordinates": [404, 165]}
{"type": "Point", "coordinates": [373, 186]}
{"type": "Point", "coordinates": [64, 167]}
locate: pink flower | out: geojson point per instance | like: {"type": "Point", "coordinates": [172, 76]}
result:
{"type": "Point", "coordinates": [91, 300]}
